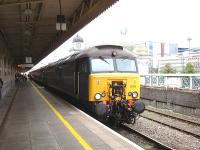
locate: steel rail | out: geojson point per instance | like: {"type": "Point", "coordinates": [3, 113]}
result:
{"type": "Point", "coordinates": [149, 139]}
{"type": "Point", "coordinates": [173, 127]}
{"type": "Point", "coordinates": [173, 117]}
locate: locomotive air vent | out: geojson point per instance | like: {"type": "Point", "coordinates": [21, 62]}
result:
{"type": "Point", "coordinates": [113, 47]}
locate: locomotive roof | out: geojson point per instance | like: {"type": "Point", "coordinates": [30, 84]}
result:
{"type": "Point", "coordinates": [96, 52]}
{"type": "Point", "coordinates": [105, 51]}
{"type": "Point", "coordinates": [62, 60]}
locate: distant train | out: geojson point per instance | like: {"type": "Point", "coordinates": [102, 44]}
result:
{"type": "Point", "coordinates": [104, 79]}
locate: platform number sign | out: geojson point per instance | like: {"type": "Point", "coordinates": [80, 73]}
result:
{"type": "Point", "coordinates": [28, 59]}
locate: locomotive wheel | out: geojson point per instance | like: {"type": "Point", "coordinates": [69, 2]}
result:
{"type": "Point", "coordinates": [133, 120]}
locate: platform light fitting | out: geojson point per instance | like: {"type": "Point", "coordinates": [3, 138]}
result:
{"type": "Point", "coordinates": [61, 24]}
{"type": "Point", "coordinates": [27, 33]}
{"type": "Point", "coordinates": [61, 27]}
{"type": "Point", "coordinates": [28, 11]}
{"type": "Point", "coordinates": [26, 50]}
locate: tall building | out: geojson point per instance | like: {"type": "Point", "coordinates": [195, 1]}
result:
{"type": "Point", "coordinates": [141, 49]}
{"type": "Point", "coordinates": [182, 50]}
{"type": "Point", "coordinates": [177, 62]}
{"type": "Point", "coordinates": [195, 50]}
{"type": "Point", "coordinates": [150, 52]}
{"type": "Point", "coordinates": [194, 59]}
{"type": "Point", "coordinates": [180, 61]}
{"type": "Point", "coordinates": [144, 64]}
{"type": "Point", "coordinates": [155, 48]}
{"type": "Point", "coordinates": [154, 55]}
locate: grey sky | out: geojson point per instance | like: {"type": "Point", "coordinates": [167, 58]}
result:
{"type": "Point", "coordinates": [146, 20]}
{"type": "Point", "coordinates": [155, 20]}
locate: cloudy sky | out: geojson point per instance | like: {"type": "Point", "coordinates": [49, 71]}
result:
{"type": "Point", "coordinates": [147, 20]}
{"type": "Point", "coordinates": [169, 21]}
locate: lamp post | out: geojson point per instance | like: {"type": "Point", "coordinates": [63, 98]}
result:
{"type": "Point", "coordinates": [189, 39]}
{"type": "Point", "coordinates": [61, 22]}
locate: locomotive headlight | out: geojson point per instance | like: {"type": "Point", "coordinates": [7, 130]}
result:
{"type": "Point", "coordinates": [129, 93]}
{"type": "Point", "coordinates": [114, 53]}
{"type": "Point", "coordinates": [112, 97]}
{"type": "Point", "coordinates": [103, 94]}
{"type": "Point", "coordinates": [134, 94]}
{"type": "Point", "coordinates": [97, 96]}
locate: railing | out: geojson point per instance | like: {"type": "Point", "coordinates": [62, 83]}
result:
{"type": "Point", "coordinates": [184, 81]}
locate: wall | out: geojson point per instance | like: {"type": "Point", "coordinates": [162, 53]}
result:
{"type": "Point", "coordinates": [7, 69]}
{"type": "Point", "coordinates": [181, 101]}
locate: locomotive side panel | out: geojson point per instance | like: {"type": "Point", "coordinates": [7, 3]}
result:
{"type": "Point", "coordinates": [105, 78]}
{"type": "Point", "coordinates": [54, 78]}
{"type": "Point", "coordinates": [38, 75]}
{"type": "Point", "coordinates": [83, 72]}
{"type": "Point", "coordinates": [69, 78]}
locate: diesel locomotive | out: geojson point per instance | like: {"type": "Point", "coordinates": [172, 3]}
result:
{"type": "Point", "coordinates": [104, 79]}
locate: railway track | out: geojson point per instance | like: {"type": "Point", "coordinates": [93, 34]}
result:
{"type": "Point", "coordinates": [173, 117]}
{"type": "Point", "coordinates": [147, 142]}
{"type": "Point", "coordinates": [195, 124]}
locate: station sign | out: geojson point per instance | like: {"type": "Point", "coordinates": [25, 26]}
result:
{"type": "Point", "coordinates": [25, 65]}
{"type": "Point", "coordinates": [28, 59]}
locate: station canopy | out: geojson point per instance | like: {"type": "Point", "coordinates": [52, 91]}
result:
{"type": "Point", "coordinates": [34, 28]}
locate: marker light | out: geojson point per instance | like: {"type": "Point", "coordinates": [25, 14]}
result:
{"type": "Point", "coordinates": [129, 93]}
{"type": "Point", "coordinates": [134, 94]}
{"type": "Point", "coordinates": [97, 96]}
{"type": "Point", "coordinates": [114, 54]}
{"type": "Point", "coordinates": [103, 94]}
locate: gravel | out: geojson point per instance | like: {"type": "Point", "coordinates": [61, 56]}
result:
{"type": "Point", "coordinates": [193, 128]}
{"type": "Point", "coordinates": [171, 137]}
{"type": "Point", "coordinates": [172, 113]}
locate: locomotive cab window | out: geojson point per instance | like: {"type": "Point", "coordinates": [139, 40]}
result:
{"type": "Point", "coordinates": [113, 65]}
{"type": "Point", "coordinates": [83, 67]}
{"type": "Point", "coordinates": [126, 65]}
{"type": "Point", "coordinates": [102, 65]}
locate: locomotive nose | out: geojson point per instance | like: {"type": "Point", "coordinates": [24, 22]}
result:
{"type": "Point", "coordinates": [101, 109]}
{"type": "Point", "coordinates": [139, 107]}
{"type": "Point", "coordinates": [117, 90]}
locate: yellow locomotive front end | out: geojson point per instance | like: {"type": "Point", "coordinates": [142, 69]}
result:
{"type": "Point", "coordinates": [114, 87]}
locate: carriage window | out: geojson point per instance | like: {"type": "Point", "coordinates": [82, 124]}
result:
{"type": "Point", "coordinates": [83, 67]}
{"type": "Point", "coordinates": [102, 64]}
{"type": "Point", "coordinates": [59, 71]}
{"type": "Point", "coordinates": [126, 65]}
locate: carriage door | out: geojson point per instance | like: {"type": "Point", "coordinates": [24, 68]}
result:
{"type": "Point", "coordinates": [76, 79]}
{"type": "Point", "coordinates": [82, 79]}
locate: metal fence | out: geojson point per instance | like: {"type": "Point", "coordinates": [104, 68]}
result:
{"type": "Point", "coordinates": [185, 81]}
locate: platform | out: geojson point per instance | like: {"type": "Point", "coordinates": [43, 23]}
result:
{"type": "Point", "coordinates": [38, 120]}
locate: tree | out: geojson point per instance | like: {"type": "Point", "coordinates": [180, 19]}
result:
{"type": "Point", "coordinates": [167, 69]}
{"type": "Point", "coordinates": [189, 68]}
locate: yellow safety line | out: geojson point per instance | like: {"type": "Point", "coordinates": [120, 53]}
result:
{"type": "Point", "coordinates": [84, 144]}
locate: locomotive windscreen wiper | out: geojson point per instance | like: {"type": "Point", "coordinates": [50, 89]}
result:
{"type": "Point", "coordinates": [103, 59]}
{"type": "Point", "coordinates": [124, 58]}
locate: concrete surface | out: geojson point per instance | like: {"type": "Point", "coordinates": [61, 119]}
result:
{"type": "Point", "coordinates": [32, 125]}
{"type": "Point", "coordinates": [178, 100]}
